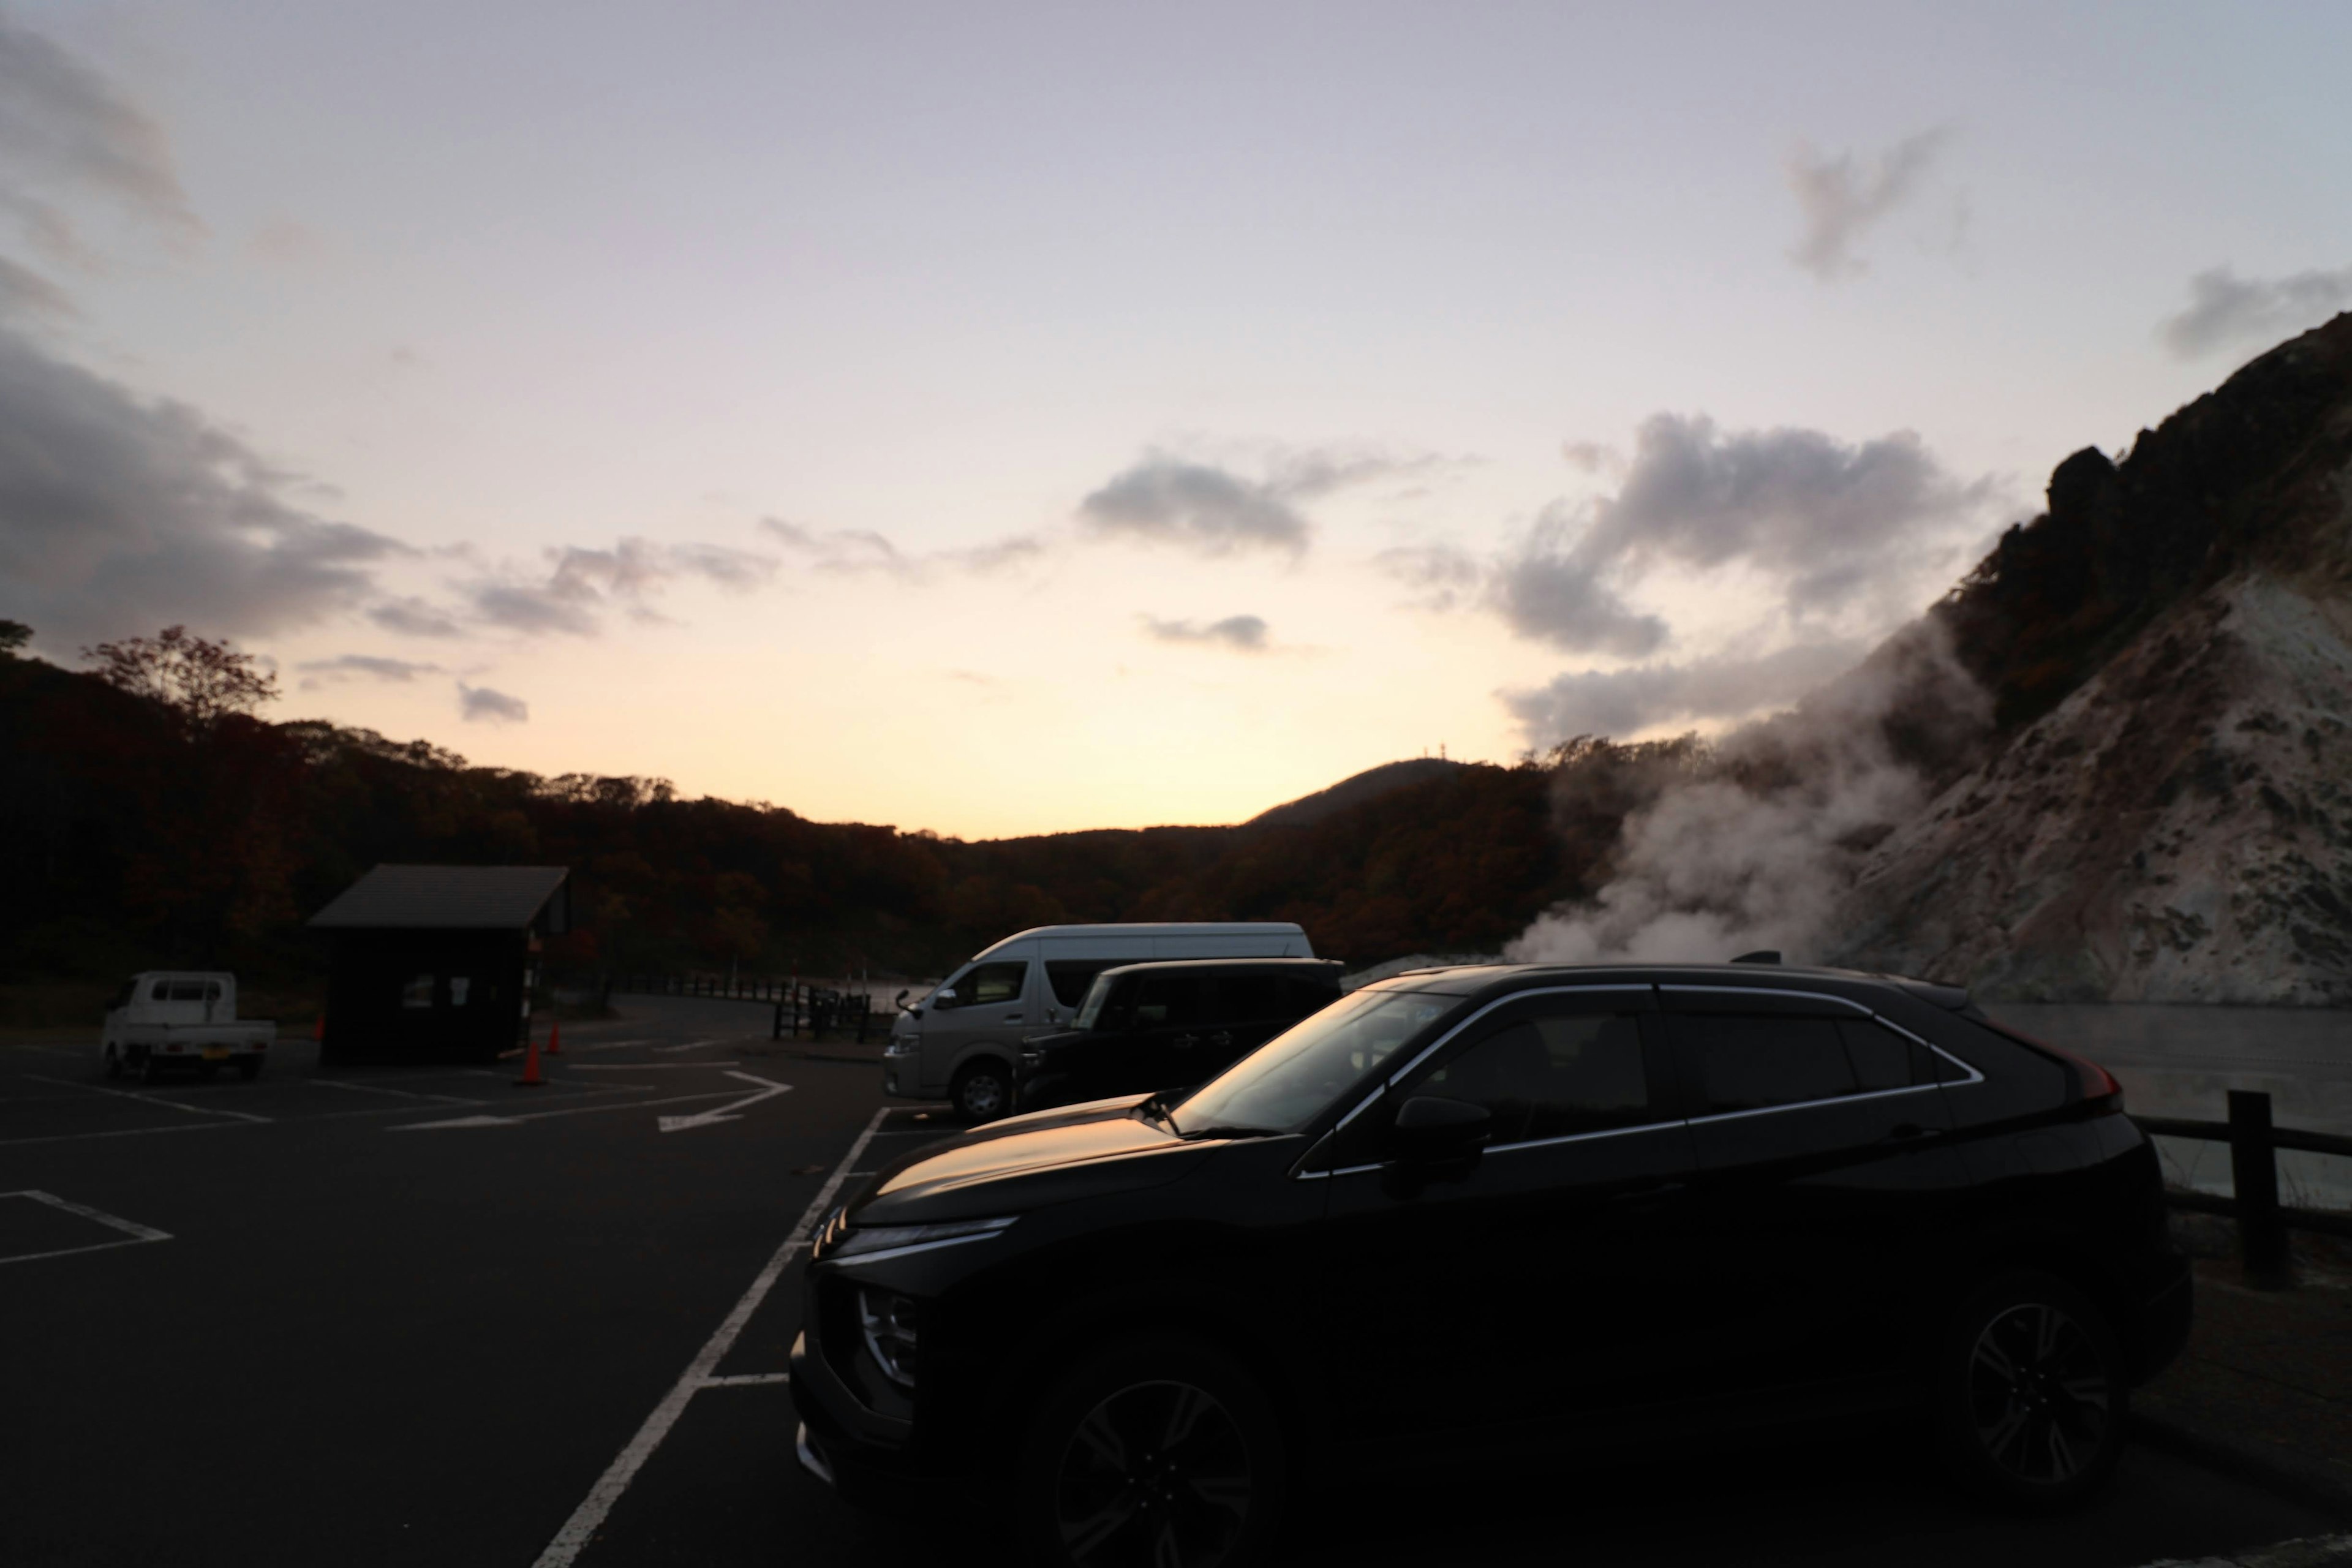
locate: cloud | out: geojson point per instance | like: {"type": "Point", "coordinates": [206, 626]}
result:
{"type": "Point", "coordinates": [1441, 575]}
{"type": "Point", "coordinates": [1625, 702]}
{"type": "Point", "coordinates": [412, 616]}
{"type": "Point", "coordinates": [2225, 309]}
{"type": "Point", "coordinates": [1839, 200]}
{"type": "Point", "coordinates": [1830, 524]}
{"type": "Point", "coordinates": [26, 296]}
{"type": "Point", "coordinates": [852, 551]}
{"type": "Point", "coordinates": [1165, 500]}
{"type": "Point", "coordinates": [362, 666]}
{"type": "Point", "coordinates": [1240, 634]}
{"type": "Point", "coordinates": [119, 515]}
{"type": "Point", "coordinates": [65, 134]}
{"type": "Point", "coordinates": [479, 704]}
{"type": "Point", "coordinates": [582, 584]}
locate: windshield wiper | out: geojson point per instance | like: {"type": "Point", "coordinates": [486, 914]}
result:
{"type": "Point", "coordinates": [1189, 1135]}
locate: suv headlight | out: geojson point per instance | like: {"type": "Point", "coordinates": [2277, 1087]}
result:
{"type": "Point", "coordinates": [872, 1243]}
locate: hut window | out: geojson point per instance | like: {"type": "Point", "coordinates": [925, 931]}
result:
{"type": "Point", "coordinates": [417, 993]}
{"type": "Point", "coordinates": [457, 987]}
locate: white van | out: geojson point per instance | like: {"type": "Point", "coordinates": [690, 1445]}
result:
{"type": "Point", "coordinates": [960, 1042]}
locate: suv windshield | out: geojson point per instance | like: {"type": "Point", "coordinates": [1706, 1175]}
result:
{"type": "Point", "coordinates": [1090, 1010]}
{"type": "Point", "coordinates": [1283, 1083]}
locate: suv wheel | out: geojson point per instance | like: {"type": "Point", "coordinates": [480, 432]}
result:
{"type": "Point", "coordinates": [2030, 1393]}
{"type": "Point", "coordinates": [984, 1091]}
{"type": "Point", "coordinates": [1156, 1452]}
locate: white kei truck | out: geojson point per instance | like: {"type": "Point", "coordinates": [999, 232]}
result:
{"type": "Point", "coordinates": [162, 1020]}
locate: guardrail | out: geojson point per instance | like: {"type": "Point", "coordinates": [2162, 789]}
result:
{"type": "Point", "coordinates": [2253, 1202]}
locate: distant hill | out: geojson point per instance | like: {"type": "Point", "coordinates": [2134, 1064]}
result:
{"type": "Point", "coordinates": [1369, 784]}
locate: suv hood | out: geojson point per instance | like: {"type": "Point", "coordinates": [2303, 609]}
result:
{"type": "Point", "coordinates": [1028, 1161]}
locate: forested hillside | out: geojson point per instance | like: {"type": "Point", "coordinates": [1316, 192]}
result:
{"type": "Point", "coordinates": [138, 838]}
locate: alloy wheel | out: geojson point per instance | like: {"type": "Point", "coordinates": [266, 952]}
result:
{"type": "Point", "coordinates": [984, 1096]}
{"type": "Point", "coordinates": [1158, 1474]}
{"type": "Point", "coordinates": [2038, 1394]}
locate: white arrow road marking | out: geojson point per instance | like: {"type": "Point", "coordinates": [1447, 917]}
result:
{"type": "Point", "coordinates": [770, 1089]}
{"type": "Point", "coordinates": [543, 1115]}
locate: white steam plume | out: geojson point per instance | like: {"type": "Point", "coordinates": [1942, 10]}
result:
{"type": "Point", "coordinates": [1758, 849]}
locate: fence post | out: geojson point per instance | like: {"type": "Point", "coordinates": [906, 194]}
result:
{"type": "Point", "coordinates": [777, 1032]}
{"type": "Point", "coordinates": [2253, 1181]}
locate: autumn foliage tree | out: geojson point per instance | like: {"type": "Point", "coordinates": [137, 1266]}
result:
{"type": "Point", "coordinates": [200, 679]}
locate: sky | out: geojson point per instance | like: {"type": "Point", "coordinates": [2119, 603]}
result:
{"type": "Point", "coordinates": [1018, 419]}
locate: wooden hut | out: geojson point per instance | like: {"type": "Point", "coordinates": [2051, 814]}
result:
{"type": "Point", "coordinates": [435, 963]}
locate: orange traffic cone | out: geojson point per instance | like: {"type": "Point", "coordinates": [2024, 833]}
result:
{"type": "Point", "coordinates": [530, 1079]}
{"type": "Point", "coordinates": [555, 1038]}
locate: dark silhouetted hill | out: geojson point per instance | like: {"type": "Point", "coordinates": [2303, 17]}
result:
{"type": "Point", "coordinates": [1369, 784]}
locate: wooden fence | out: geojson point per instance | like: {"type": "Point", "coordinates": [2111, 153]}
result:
{"type": "Point", "coordinates": [2253, 1201]}
{"type": "Point", "coordinates": [799, 1005]}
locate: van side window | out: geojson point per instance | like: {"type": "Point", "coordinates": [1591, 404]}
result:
{"type": "Point", "coordinates": [160, 992]}
{"type": "Point", "coordinates": [187, 990]}
{"type": "Point", "coordinates": [1070, 977]}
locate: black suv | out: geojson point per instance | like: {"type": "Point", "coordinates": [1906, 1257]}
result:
{"type": "Point", "coordinates": [1154, 1026]}
{"type": "Point", "coordinates": [1499, 1205]}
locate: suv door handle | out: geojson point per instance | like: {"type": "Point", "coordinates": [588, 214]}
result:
{"type": "Point", "coordinates": [1013, 1018]}
{"type": "Point", "coordinates": [1905, 1132]}
{"type": "Point", "coordinates": [1643, 1191]}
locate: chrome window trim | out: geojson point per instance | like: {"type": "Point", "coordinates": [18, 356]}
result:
{"type": "Point", "coordinates": [1865, 1014]}
{"type": "Point", "coordinates": [912, 1248]}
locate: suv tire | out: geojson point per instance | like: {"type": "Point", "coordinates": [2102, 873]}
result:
{"type": "Point", "coordinates": [1160, 1451]}
{"type": "Point", "coordinates": [984, 1090]}
{"type": "Point", "coordinates": [2029, 1396]}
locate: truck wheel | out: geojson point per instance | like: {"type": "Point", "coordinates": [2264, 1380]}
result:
{"type": "Point", "coordinates": [113, 1060]}
{"type": "Point", "coordinates": [249, 1068]}
{"type": "Point", "coordinates": [2029, 1396]}
{"type": "Point", "coordinates": [983, 1092]}
{"type": "Point", "coordinates": [151, 1067]}
{"type": "Point", "coordinates": [1163, 1451]}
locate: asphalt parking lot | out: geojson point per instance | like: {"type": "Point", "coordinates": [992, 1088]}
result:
{"type": "Point", "coordinates": [431, 1317]}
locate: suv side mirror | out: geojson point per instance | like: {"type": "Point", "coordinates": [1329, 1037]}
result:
{"type": "Point", "coordinates": [1437, 1140]}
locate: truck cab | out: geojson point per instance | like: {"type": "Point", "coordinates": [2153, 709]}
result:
{"type": "Point", "coordinates": [161, 1019]}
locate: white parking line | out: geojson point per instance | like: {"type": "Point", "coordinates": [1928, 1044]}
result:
{"type": "Point", "coordinates": [623, 1468]}
{"type": "Point", "coordinates": [380, 1089]}
{"type": "Point", "coordinates": [692, 1045]}
{"type": "Point", "coordinates": [136, 1232]}
{"type": "Point", "coordinates": [568, 1111]}
{"type": "Point", "coordinates": [748, 1380]}
{"type": "Point", "coordinates": [152, 1099]}
{"type": "Point", "coordinates": [128, 1132]}
{"type": "Point", "coordinates": [648, 1067]}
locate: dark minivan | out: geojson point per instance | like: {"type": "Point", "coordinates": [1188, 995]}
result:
{"type": "Point", "coordinates": [1499, 1205]}
{"type": "Point", "coordinates": [1145, 1026]}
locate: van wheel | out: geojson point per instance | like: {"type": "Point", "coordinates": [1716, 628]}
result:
{"type": "Point", "coordinates": [113, 1060]}
{"type": "Point", "coordinates": [151, 1067]}
{"type": "Point", "coordinates": [1159, 1451]}
{"type": "Point", "coordinates": [2029, 1396]}
{"type": "Point", "coordinates": [983, 1092]}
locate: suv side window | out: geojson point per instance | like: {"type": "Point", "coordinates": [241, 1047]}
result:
{"type": "Point", "coordinates": [1247, 998]}
{"type": "Point", "coordinates": [1552, 1076]}
{"type": "Point", "coordinates": [1167, 1000]}
{"type": "Point", "coordinates": [1754, 1063]}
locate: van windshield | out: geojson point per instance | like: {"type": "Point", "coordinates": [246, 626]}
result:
{"type": "Point", "coordinates": [1284, 1083]}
